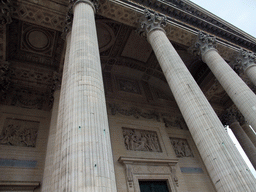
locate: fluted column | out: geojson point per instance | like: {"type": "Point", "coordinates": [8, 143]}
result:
{"type": "Point", "coordinates": [222, 160]}
{"type": "Point", "coordinates": [238, 91]}
{"type": "Point", "coordinates": [84, 160]}
{"type": "Point", "coordinates": [249, 132]}
{"type": "Point", "coordinates": [48, 166]}
{"type": "Point", "coordinates": [231, 118]}
{"type": "Point", "coordinates": [244, 141]}
{"type": "Point", "coordinates": [53, 156]}
{"type": "Point", "coordinates": [246, 61]}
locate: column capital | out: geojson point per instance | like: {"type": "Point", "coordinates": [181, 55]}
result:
{"type": "Point", "coordinates": [6, 10]}
{"type": "Point", "coordinates": [151, 21]}
{"type": "Point", "coordinates": [245, 59]}
{"type": "Point", "coordinates": [93, 3]}
{"type": "Point", "coordinates": [204, 43]}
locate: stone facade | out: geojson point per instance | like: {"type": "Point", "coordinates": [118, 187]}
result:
{"type": "Point", "coordinates": [100, 95]}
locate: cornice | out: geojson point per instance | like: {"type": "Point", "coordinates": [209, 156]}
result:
{"type": "Point", "coordinates": [190, 16]}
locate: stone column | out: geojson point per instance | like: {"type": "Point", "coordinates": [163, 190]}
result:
{"type": "Point", "coordinates": [246, 61]}
{"type": "Point", "coordinates": [222, 160]}
{"type": "Point", "coordinates": [231, 118]}
{"type": "Point", "coordinates": [52, 160]}
{"type": "Point", "coordinates": [244, 141]}
{"type": "Point", "coordinates": [249, 132]}
{"type": "Point", "coordinates": [83, 159]}
{"type": "Point", "coordinates": [48, 166]}
{"type": "Point", "coordinates": [242, 96]}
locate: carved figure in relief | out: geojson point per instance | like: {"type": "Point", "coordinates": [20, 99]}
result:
{"type": "Point", "coordinates": [141, 140]}
{"type": "Point", "coordinates": [181, 148]}
{"type": "Point", "coordinates": [16, 134]}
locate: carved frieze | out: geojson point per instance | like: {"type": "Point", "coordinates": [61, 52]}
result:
{"type": "Point", "coordinates": [135, 112]}
{"type": "Point", "coordinates": [28, 98]}
{"type": "Point", "coordinates": [175, 122]}
{"type": "Point", "coordinates": [141, 140]}
{"type": "Point", "coordinates": [181, 147]}
{"type": "Point", "coordinates": [17, 132]}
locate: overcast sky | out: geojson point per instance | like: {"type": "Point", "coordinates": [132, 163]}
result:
{"type": "Point", "coordinates": [240, 13]}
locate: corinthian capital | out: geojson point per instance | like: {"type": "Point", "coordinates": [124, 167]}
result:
{"type": "Point", "coordinates": [205, 43]}
{"type": "Point", "coordinates": [151, 21]}
{"type": "Point", "coordinates": [93, 3]}
{"type": "Point", "coordinates": [6, 10]}
{"type": "Point", "coordinates": [245, 59]}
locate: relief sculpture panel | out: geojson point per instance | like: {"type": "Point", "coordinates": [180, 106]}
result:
{"type": "Point", "coordinates": [181, 147]}
{"type": "Point", "coordinates": [141, 140]}
{"type": "Point", "coordinates": [17, 132]}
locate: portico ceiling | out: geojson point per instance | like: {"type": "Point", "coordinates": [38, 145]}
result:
{"type": "Point", "coordinates": [123, 51]}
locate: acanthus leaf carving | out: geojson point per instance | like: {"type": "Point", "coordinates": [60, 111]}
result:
{"type": "Point", "coordinates": [150, 22]}
{"type": "Point", "coordinates": [245, 59]}
{"type": "Point", "coordinates": [205, 43]}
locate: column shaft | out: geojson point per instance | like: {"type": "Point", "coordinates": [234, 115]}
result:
{"type": "Point", "coordinates": [86, 161]}
{"type": "Point", "coordinates": [244, 141]}
{"type": "Point", "coordinates": [59, 139]}
{"type": "Point", "coordinates": [48, 167]}
{"type": "Point", "coordinates": [238, 91]}
{"type": "Point", "coordinates": [249, 132]}
{"type": "Point", "coordinates": [223, 162]}
{"type": "Point", "coordinates": [251, 73]}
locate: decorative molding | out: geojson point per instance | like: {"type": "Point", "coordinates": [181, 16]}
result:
{"type": "Point", "coordinates": [205, 43]}
{"type": "Point", "coordinates": [150, 22]}
{"type": "Point", "coordinates": [135, 112]}
{"type": "Point", "coordinates": [146, 168]}
{"type": "Point", "coordinates": [181, 147]}
{"type": "Point", "coordinates": [177, 122]}
{"type": "Point", "coordinates": [35, 14]}
{"type": "Point", "coordinates": [22, 46]}
{"type": "Point", "coordinates": [245, 59]}
{"type": "Point", "coordinates": [194, 18]}
{"type": "Point", "coordinates": [18, 132]}
{"type": "Point", "coordinates": [6, 10]}
{"type": "Point", "coordinates": [141, 140]}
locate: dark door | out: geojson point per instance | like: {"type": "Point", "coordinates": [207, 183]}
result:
{"type": "Point", "coordinates": [153, 186]}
